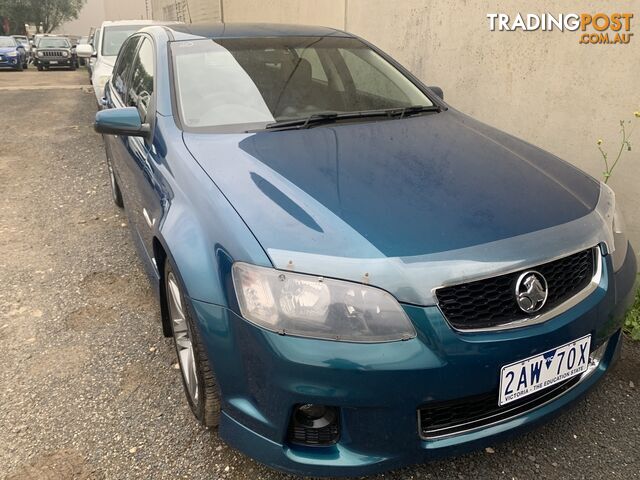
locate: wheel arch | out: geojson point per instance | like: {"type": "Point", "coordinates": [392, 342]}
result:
{"type": "Point", "coordinates": [160, 256]}
{"type": "Point", "coordinates": [202, 254]}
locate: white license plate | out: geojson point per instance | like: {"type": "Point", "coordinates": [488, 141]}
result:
{"type": "Point", "coordinates": [533, 374]}
{"type": "Point", "coordinates": [53, 62]}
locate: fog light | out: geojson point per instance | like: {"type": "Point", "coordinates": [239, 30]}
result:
{"type": "Point", "coordinates": [310, 412]}
{"type": "Point", "coordinates": [314, 425]}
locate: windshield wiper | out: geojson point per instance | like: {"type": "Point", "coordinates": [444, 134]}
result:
{"type": "Point", "coordinates": [415, 109]}
{"type": "Point", "coordinates": [303, 122]}
{"type": "Point", "coordinates": [329, 117]}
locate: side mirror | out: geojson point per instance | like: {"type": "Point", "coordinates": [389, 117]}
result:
{"type": "Point", "coordinates": [438, 91]}
{"type": "Point", "coordinates": [121, 121]}
{"type": "Point", "coordinates": [84, 51]}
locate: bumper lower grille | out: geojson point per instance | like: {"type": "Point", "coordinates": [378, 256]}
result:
{"type": "Point", "coordinates": [491, 302]}
{"type": "Point", "coordinates": [314, 436]}
{"type": "Point", "coordinates": [456, 416]}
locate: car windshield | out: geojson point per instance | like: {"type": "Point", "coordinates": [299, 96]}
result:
{"type": "Point", "coordinates": [7, 42]}
{"type": "Point", "coordinates": [21, 40]}
{"type": "Point", "coordinates": [114, 37]}
{"type": "Point", "coordinates": [52, 42]}
{"type": "Point", "coordinates": [256, 81]}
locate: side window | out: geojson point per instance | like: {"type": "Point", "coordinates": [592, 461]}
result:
{"type": "Point", "coordinates": [123, 65]}
{"type": "Point", "coordinates": [141, 83]}
{"type": "Point", "coordinates": [368, 79]}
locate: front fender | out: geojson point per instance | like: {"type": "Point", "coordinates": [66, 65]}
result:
{"type": "Point", "coordinates": [200, 230]}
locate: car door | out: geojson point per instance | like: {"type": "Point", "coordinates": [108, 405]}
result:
{"type": "Point", "coordinates": [116, 97]}
{"type": "Point", "coordinates": [147, 195]}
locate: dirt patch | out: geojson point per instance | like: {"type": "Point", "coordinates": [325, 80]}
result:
{"type": "Point", "coordinates": [108, 295]}
{"type": "Point", "coordinates": [111, 289]}
{"type": "Point", "coordinates": [59, 465]}
{"type": "Point", "coordinates": [61, 362]}
{"type": "Point", "coordinates": [91, 317]}
{"type": "Point", "coordinates": [101, 284]}
{"type": "Point", "coordinates": [134, 379]}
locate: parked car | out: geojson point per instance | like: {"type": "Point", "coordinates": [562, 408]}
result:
{"type": "Point", "coordinates": [54, 52]}
{"type": "Point", "coordinates": [356, 275]}
{"type": "Point", "coordinates": [91, 60]}
{"type": "Point", "coordinates": [82, 41]}
{"type": "Point", "coordinates": [107, 42]}
{"type": "Point", "coordinates": [38, 36]}
{"type": "Point", "coordinates": [12, 54]}
{"type": "Point", "coordinates": [24, 41]}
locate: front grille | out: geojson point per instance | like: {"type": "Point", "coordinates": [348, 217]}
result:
{"type": "Point", "coordinates": [52, 53]}
{"type": "Point", "coordinates": [491, 302]}
{"type": "Point", "coordinates": [454, 416]}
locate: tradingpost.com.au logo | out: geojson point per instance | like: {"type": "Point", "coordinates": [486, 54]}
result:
{"type": "Point", "coordinates": [594, 28]}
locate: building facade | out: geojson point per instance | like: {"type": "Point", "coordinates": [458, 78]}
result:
{"type": "Point", "coordinates": [187, 10]}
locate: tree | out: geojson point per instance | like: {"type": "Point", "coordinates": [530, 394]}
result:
{"type": "Point", "coordinates": [48, 13]}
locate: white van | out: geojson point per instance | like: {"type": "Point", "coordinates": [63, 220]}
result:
{"type": "Point", "coordinates": [107, 40]}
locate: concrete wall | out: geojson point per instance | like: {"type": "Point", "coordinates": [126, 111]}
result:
{"type": "Point", "coordinates": [541, 86]}
{"type": "Point", "coordinates": [330, 13]}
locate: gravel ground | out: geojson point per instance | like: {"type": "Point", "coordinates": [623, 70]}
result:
{"type": "Point", "coordinates": [88, 387]}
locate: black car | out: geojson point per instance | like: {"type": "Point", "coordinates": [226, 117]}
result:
{"type": "Point", "coordinates": [55, 52]}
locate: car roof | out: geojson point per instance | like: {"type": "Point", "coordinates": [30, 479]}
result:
{"type": "Point", "coordinates": [110, 23]}
{"type": "Point", "coordinates": [250, 30]}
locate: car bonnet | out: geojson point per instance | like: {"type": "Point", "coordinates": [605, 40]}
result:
{"type": "Point", "coordinates": [406, 205]}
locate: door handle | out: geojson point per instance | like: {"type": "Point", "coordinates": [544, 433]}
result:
{"type": "Point", "coordinates": [150, 221]}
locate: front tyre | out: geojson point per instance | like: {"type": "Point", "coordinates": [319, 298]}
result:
{"type": "Point", "coordinates": [116, 194]}
{"type": "Point", "coordinates": [199, 381]}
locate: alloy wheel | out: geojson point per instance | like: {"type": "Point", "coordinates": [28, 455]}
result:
{"type": "Point", "coordinates": [182, 338]}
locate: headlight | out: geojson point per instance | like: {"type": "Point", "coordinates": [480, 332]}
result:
{"type": "Point", "coordinates": [39, 54]}
{"type": "Point", "coordinates": [620, 240]}
{"type": "Point", "coordinates": [65, 54]}
{"type": "Point", "coordinates": [12, 54]}
{"type": "Point", "coordinates": [316, 307]}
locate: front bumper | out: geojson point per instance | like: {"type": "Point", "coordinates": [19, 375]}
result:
{"type": "Point", "coordinates": [9, 62]}
{"type": "Point", "coordinates": [54, 62]}
{"type": "Point", "coordinates": [379, 387]}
